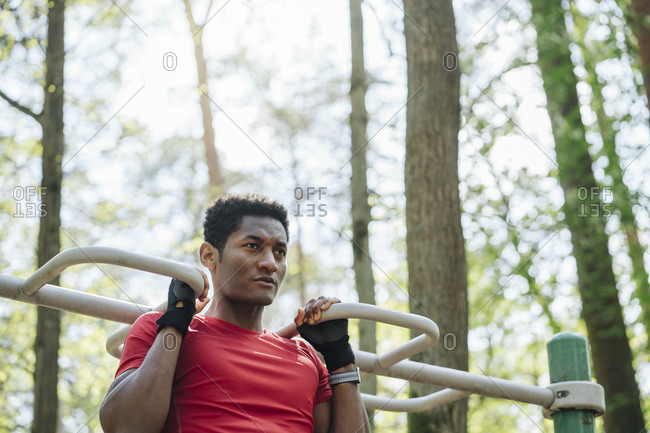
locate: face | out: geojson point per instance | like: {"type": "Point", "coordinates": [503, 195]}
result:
{"type": "Point", "coordinates": [253, 263]}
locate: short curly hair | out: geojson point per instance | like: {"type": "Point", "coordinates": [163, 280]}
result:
{"type": "Point", "coordinates": [224, 216]}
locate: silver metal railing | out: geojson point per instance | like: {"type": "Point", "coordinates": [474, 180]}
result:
{"type": "Point", "coordinates": [394, 363]}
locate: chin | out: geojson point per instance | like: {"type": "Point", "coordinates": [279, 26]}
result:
{"type": "Point", "coordinates": [262, 301]}
{"type": "Point", "coordinates": [267, 301]}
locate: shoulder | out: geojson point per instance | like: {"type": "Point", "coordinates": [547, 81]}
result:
{"type": "Point", "coordinates": [145, 326]}
{"type": "Point", "coordinates": [149, 316]}
{"type": "Point", "coordinates": [147, 320]}
{"type": "Point", "coordinates": [298, 345]}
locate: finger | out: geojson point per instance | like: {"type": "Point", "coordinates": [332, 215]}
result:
{"type": "Point", "coordinates": [313, 309]}
{"type": "Point", "coordinates": [204, 295]}
{"type": "Point", "coordinates": [309, 306]}
{"type": "Point", "coordinates": [318, 307]}
{"type": "Point", "coordinates": [206, 285]}
{"type": "Point", "coordinates": [329, 302]}
{"type": "Point", "coordinates": [300, 317]}
{"type": "Point", "coordinates": [201, 303]}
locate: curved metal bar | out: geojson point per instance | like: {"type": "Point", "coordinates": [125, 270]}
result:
{"type": "Point", "coordinates": [416, 404]}
{"type": "Point", "coordinates": [115, 341]}
{"type": "Point", "coordinates": [73, 301]}
{"type": "Point", "coordinates": [428, 327]}
{"type": "Point", "coordinates": [352, 311]}
{"type": "Point", "coordinates": [458, 380]}
{"type": "Point", "coordinates": [393, 363]}
{"type": "Point", "coordinates": [113, 256]}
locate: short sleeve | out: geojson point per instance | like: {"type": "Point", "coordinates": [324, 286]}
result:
{"type": "Point", "coordinates": [138, 342]}
{"type": "Point", "coordinates": [323, 392]}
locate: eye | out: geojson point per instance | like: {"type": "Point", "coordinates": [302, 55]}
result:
{"type": "Point", "coordinates": [252, 245]}
{"type": "Point", "coordinates": [282, 253]}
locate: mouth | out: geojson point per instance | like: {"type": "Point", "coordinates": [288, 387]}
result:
{"type": "Point", "coordinates": [266, 280]}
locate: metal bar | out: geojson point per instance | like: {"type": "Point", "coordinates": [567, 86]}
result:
{"type": "Point", "coordinates": [393, 363]}
{"type": "Point", "coordinates": [458, 380]}
{"type": "Point", "coordinates": [459, 384]}
{"type": "Point", "coordinates": [113, 256]}
{"type": "Point", "coordinates": [73, 301]}
{"type": "Point", "coordinates": [345, 311]}
{"type": "Point", "coordinates": [379, 314]}
{"type": "Point", "coordinates": [416, 404]}
{"type": "Point", "coordinates": [115, 341]}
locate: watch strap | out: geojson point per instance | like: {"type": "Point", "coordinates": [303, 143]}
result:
{"type": "Point", "coordinates": [346, 376]}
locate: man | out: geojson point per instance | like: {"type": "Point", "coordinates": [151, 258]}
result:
{"type": "Point", "coordinates": [220, 371]}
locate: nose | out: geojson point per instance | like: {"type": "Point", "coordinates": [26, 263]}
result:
{"type": "Point", "coordinates": [267, 261]}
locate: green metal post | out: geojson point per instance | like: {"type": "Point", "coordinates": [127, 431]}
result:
{"type": "Point", "coordinates": [568, 359]}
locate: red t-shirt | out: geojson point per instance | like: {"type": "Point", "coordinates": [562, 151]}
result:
{"type": "Point", "coordinates": [231, 379]}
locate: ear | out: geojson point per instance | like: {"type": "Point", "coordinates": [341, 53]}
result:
{"type": "Point", "coordinates": [209, 256]}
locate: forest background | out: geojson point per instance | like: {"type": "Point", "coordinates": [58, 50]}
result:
{"type": "Point", "coordinates": [136, 176]}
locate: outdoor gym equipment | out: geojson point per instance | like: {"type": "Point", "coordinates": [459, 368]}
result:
{"type": "Point", "coordinates": [572, 400]}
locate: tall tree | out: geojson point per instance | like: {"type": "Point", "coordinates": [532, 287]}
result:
{"type": "Point", "coordinates": [601, 308]}
{"type": "Point", "coordinates": [435, 247]}
{"type": "Point", "coordinates": [48, 328]}
{"type": "Point", "coordinates": [215, 183]}
{"type": "Point", "coordinates": [622, 201]}
{"type": "Point", "coordinates": [638, 17]}
{"type": "Point", "coordinates": [360, 210]}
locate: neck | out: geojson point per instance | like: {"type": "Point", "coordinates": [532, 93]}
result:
{"type": "Point", "coordinates": [243, 315]}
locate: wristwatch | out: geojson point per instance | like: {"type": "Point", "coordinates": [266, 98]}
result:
{"type": "Point", "coordinates": [346, 376]}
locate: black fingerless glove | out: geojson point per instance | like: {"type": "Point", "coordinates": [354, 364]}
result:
{"type": "Point", "coordinates": [181, 316]}
{"type": "Point", "coordinates": [331, 340]}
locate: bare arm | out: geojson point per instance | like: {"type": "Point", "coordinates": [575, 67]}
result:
{"type": "Point", "coordinates": [345, 413]}
{"type": "Point", "coordinates": [138, 400]}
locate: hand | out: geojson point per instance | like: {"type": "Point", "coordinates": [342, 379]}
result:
{"type": "Point", "coordinates": [203, 299]}
{"type": "Point", "coordinates": [329, 338]}
{"type": "Point", "coordinates": [178, 292]}
{"type": "Point", "coordinates": [181, 305]}
{"type": "Point", "coordinates": [312, 311]}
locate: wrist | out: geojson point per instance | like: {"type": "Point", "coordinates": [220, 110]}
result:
{"type": "Point", "coordinates": [178, 318]}
{"type": "Point", "coordinates": [348, 367]}
{"type": "Point", "coordinates": [352, 377]}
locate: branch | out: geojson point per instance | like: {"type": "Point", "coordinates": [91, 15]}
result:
{"type": "Point", "coordinates": [207, 13]}
{"type": "Point", "coordinates": [15, 104]}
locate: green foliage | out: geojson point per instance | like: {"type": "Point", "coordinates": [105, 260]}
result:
{"type": "Point", "coordinates": [85, 370]}
{"type": "Point", "coordinates": [16, 370]}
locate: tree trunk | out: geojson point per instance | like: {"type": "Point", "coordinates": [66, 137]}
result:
{"type": "Point", "coordinates": [621, 197]}
{"type": "Point", "coordinates": [435, 247]}
{"type": "Point", "coordinates": [360, 210]}
{"type": "Point", "coordinates": [216, 186]}
{"type": "Point", "coordinates": [639, 20]}
{"type": "Point", "coordinates": [584, 214]}
{"type": "Point", "coordinates": [46, 346]}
